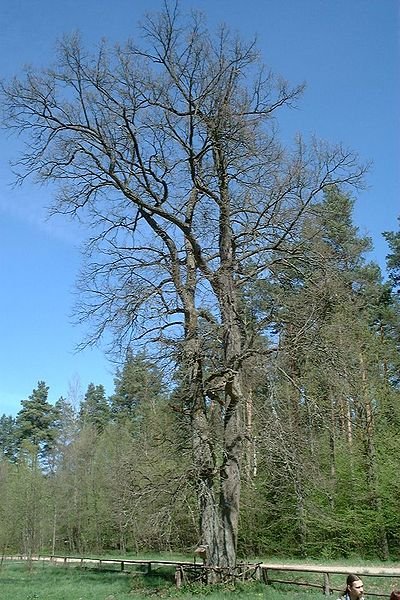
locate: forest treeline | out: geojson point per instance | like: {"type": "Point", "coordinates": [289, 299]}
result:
{"type": "Point", "coordinates": [321, 454]}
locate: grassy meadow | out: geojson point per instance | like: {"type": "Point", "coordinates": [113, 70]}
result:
{"type": "Point", "coordinates": [40, 581]}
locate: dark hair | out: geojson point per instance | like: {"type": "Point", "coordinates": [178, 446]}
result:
{"type": "Point", "coordinates": [395, 595]}
{"type": "Point", "coordinates": [350, 580]}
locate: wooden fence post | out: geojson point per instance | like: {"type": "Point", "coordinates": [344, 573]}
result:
{"type": "Point", "coordinates": [264, 574]}
{"type": "Point", "coordinates": [178, 577]}
{"type": "Point", "coordinates": [327, 584]}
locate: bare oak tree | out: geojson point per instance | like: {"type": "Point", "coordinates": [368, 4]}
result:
{"type": "Point", "coordinates": [170, 152]}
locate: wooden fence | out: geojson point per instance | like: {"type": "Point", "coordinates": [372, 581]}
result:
{"type": "Point", "coordinates": [86, 561]}
{"type": "Point", "coordinates": [326, 572]}
{"type": "Point", "coordinates": [266, 572]}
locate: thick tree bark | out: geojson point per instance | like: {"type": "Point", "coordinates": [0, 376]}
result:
{"type": "Point", "coordinates": [233, 425]}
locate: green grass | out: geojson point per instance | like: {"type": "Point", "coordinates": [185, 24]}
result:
{"type": "Point", "coordinates": [18, 582]}
{"type": "Point", "coordinates": [46, 582]}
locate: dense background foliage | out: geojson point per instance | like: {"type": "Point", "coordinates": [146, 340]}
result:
{"type": "Point", "coordinates": [322, 456]}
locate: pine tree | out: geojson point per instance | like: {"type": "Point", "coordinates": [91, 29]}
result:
{"type": "Point", "coordinates": [393, 258]}
{"type": "Point", "coordinates": [8, 436]}
{"type": "Point", "coordinates": [95, 409]}
{"type": "Point", "coordinates": [35, 422]}
{"type": "Point", "coordinates": [315, 414]}
{"type": "Point", "coordinates": [137, 384]}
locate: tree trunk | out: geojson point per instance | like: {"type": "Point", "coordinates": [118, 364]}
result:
{"type": "Point", "coordinates": [230, 485]}
{"type": "Point", "coordinates": [250, 452]}
{"type": "Point", "coordinates": [53, 541]}
{"type": "Point", "coordinates": [234, 428]}
{"type": "Point", "coordinates": [206, 472]}
{"type": "Point", "coordinates": [372, 477]}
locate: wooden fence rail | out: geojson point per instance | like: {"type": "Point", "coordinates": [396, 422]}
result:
{"type": "Point", "coordinates": [326, 571]}
{"type": "Point", "coordinates": [99, 562]}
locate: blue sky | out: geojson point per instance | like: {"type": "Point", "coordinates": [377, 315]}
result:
{"type": "Point", "coordinates": [348, 52]}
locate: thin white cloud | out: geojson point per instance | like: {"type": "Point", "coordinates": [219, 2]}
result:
{"type": "Point", "coordinates": [27, 204]}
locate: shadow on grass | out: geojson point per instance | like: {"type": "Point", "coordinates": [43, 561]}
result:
{"type": "Point", "coordinates": [160, 581]}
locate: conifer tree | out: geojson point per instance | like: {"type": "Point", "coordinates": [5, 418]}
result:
{"type": "Point", "coordinates": [393, 258]}
{"type": "Point", "coordinates": [35, 422]}
{"type": "Point", "coordinates": [8, 436]}
{"type": "Point", "coordinates": [137, 384]}
{"type": "Point", "coordinates": [95, 410]}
